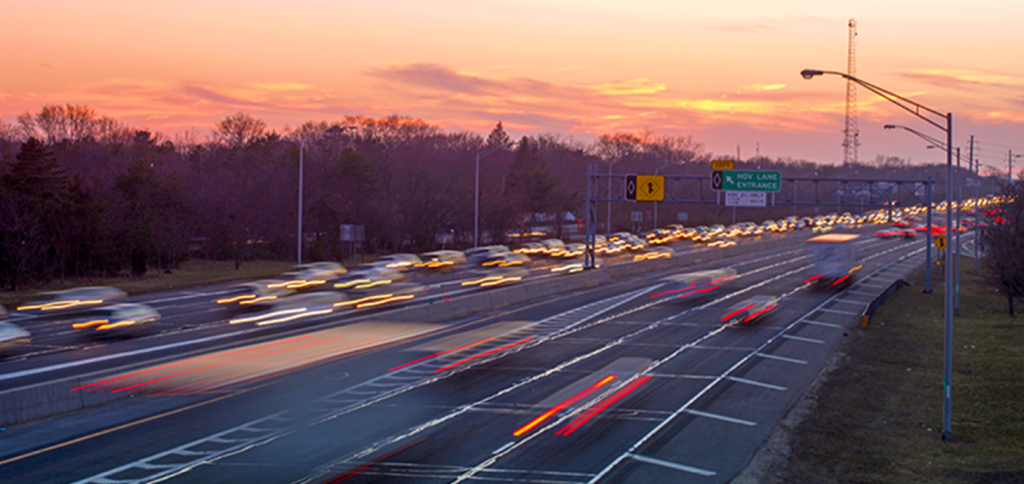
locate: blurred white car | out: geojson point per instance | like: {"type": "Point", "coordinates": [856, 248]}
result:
{"type": "Point", "coordinates": [123, 318]}
{"type": "Point", "coordinates": [368, 275]}
{"type": "Point", "coordinates": [76, 298]}
{"type": "Point", "coordinates": [402, 262]}
{"type": "Point", "coordinates": [255, 294]}
{"type": "Point", "coordinates": [441, 260]}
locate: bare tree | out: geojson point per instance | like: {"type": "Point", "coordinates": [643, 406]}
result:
{"type": "Point", "coordinates": [1003, 240]}
{"type": "Point", "coordinates": [239, 129]}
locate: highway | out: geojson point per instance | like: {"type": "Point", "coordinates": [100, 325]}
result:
{"type": "Point", "coordinates": [599, 384]}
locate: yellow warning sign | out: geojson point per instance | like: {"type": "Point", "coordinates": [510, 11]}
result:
{"type": "Point", "coordinates": [940, 242]}
{"type": "Point", "coordinates": [650, 188]}
{"type": "Point", "coordinates": [722, 165]}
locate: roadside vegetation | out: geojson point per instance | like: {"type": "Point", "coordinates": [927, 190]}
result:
{"type": "Point", "coordinates": [877, 418]}
{"type": "Point", "coordinates": [85, 196]}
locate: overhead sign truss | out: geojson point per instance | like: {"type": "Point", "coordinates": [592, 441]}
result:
{"type": "Point", "coordinates": [792, 191]}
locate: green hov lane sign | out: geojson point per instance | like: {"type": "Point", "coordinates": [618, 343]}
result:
{"type": "Point", "coordinates": [746, 181]}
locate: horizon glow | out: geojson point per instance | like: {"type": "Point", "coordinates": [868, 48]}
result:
{"type": "Point", "coordinates": [726, 73]}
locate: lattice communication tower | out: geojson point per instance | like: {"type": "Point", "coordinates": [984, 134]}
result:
{"type": "Point", "coordinates": [851, 132]}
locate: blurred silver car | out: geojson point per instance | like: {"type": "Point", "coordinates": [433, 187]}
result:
{"type": "Point", "coordinates": [12, 335]}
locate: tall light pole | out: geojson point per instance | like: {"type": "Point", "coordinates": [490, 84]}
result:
{"type": "Point", "coordinates": [476, 197]}
{"type": "Point", "coordinates": [302, 149]}
{"type": "Point", "coordinates": [302, 146]}
{"type": "Point", "coordinates": [926, 114]}
{"type": "Point", "coordinates": [608, 228]}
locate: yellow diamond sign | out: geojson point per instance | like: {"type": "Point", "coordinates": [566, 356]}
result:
{"type": "Point", "coordinates": [650, 188]}
{"type": "Point", "coordinates": [940, 242]}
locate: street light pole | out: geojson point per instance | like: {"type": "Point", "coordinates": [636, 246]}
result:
{"type": "Point", "coordinates": [608, 228]}
{"type": "Point", "coordinates": [959, 208]}
{"type": "Point", "coordinates": [302, 146]}
{"type": "Point", "coordinates": [922, 112]}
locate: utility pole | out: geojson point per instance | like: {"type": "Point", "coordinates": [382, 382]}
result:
{"type": "Point", "coordinates": [1009, 170]}
{"type": "Point", "coordinates": [977, 194]}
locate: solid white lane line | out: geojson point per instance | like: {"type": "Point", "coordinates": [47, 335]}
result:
{"type": "Point", "coordinates": [72, 364]}
{"type": "Point", "coordinates": [756, 383]}
{"type": "Point", "coordinates": [852, 291]}
{"type": "Point", "coordinates": [855, 303]}
{"type": "Point", "coordinates": [723, 418]}
{"type": "Point", "coordinates": [502, 448]}
{"type": "Point", "coordinates": [801, 338]}
{"type": "Point", "coordinates": [672, 465]}
{"type": "Point", "coordinates": [189, 296]}
{"type": "Point", "coordinates": [819, 323]}
{"type": "Point", "coordinates": [782, 358]}
{"type": "Point", "coordinates": [848, 313]}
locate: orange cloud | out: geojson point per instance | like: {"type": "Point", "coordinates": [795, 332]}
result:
{"type": "Point", "coordinates": [629, 86]}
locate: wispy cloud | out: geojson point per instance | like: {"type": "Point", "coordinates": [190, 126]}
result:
{"type": "Point", "coordinates": [742, 28]}
{"type": "Point", "coordinates": [963, 78]}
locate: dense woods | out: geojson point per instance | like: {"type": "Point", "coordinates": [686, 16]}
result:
{"type": "Point", "coordinates": [84, 195]}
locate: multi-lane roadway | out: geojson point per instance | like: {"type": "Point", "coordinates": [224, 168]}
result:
{"type": "Point", "coordinates": [602, 384]}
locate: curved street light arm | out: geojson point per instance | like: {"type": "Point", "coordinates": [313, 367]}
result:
{"type": "Point", "coordinates": [935, 141]}
{"type": "Point", "coordinates": [910, 106]}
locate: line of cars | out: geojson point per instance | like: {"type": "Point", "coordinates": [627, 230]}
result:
{"type": "Point", "coordinates": [93, 310]}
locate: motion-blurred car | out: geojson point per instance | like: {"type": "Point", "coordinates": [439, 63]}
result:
{"type": "Point", "coordinates": [402, 262]}
{"type": "Point", "coordinates": [76, 298]}
{"type": "Point", "coordinates": [378, 295]}
{"type": "Point", "coordinates": [12, 336]}
{"type": "Point", "coordinates": [496, 276]}
{"type": "Point", "coordinates": [660, 252]}
{"type": "Point", "coordinates": [507, 259]}
{"type": "Point", "coordinates": [476, 255]}
{"type": "Point", "coordinates": [369, 275]}
{"type": "Point", "coordinates": [695, 283]}
{"type": "Point", "coordinates": [441, 260]}
{"type": "Point", "coordinates": [255, 294]}
{"type": "Point", "coordinates": [530, 248]}
{"type": "Point", "coordinates": [117, 319]}
{"type": "Point", "coordinates": [294, 307]}
{"type": "Point", "coordinates": [750, 310]}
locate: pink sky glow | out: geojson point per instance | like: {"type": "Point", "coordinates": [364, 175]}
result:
{"type": "Point", "coordinates": [725, 72]}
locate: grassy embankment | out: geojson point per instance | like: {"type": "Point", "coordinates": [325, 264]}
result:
{"type": "Point", "coordinates": [191, 273]}
{"type": "Point", "coordinates": [878, 417]}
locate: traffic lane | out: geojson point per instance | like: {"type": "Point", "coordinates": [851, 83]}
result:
{"type": "Point", "coordinates": [712, 362]}
{"type": "Point", "coordinates": [369, 365]}
{"type": "Point", "coordinates": [57, 354]}
{"type": "Point", "coordinates": [468, 384]}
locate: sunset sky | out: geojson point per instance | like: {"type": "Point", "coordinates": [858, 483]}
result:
{"type": "Point", "coordinates": [726, 72]}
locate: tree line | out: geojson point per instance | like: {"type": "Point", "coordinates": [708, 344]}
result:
{"type": "Point", "coordinates": [84, 195]}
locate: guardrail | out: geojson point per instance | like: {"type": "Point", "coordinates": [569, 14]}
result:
{"type": "Point", "coordinates": [869, 309]}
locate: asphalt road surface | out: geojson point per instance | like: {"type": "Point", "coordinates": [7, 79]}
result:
{"type": "Point", "coordinates": [606, 384]}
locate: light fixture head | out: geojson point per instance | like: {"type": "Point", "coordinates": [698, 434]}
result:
{"type": "Point", "coordinates": [810, 73]}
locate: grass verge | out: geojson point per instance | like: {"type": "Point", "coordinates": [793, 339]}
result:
{"type": "Point", "coordinates": [878, 416]}
{"type": "Point", "coordinates": [191, 273]}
